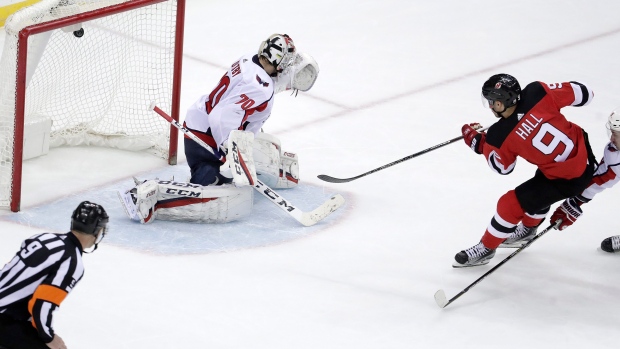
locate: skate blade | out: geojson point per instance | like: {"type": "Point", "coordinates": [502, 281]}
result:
{"type": "Point", "coordinates": [513, 245]}
{"type": "Point", "coordinates": [599, 249]}
{"type": "Point", "coordinates": [459, 265]}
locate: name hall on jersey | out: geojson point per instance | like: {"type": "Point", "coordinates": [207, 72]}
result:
{"type": "Point", "coordinates": [528, 126]}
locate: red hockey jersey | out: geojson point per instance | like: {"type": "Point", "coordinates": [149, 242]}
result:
{"type": "Point", "coordinates": [539, 133]}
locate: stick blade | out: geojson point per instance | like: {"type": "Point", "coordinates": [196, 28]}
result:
{"type": "Point", "coordinates": [440, 299]}
{"type": "Point", "coordinates": [319, 213]}
{"type": "Point", "coordinates": [330, 179]}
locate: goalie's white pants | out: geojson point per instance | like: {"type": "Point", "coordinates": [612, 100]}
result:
{"type": "Point", "coordinates": [187, 202]}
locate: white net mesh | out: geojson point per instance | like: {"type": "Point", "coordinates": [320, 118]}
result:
{"type": "Point", "coordinates": [96, 88]}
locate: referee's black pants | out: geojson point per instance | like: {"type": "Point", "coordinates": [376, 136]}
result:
{"type": "Point", "coordinates": [17, 334]}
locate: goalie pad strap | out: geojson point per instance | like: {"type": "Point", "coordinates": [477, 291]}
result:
{"type": "Point", "coordinates": [170, 203]}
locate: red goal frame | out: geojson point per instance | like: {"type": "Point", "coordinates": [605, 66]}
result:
{"type": "Point", "coordinates": [20, 99]}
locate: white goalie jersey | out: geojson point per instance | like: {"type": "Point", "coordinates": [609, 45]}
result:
{"type": "Point", "coordinates": [242, 100]}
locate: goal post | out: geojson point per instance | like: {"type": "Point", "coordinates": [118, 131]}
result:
{"type": "Point", "coordinates": [89, 69]}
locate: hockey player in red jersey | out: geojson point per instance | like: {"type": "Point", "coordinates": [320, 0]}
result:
{"type": "Point", "coordinates": [606, 176]}
{"type": "Point", "coordinates": [530, 126]}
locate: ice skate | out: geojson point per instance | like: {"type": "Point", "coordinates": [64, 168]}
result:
{"type": "Point", "coordinates": [521, 236]}
{"type": "Point", "coordinates": [473, 256]}
{"type": "Point", "coordinates": [611, 244]}
{"type": "Point", "coordinates": [128, 199]}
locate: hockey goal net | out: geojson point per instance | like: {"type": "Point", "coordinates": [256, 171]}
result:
{"type": "Point", "coordinates": [92, 67]}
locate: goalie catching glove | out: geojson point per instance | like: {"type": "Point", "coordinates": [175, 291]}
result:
{"type": "Point", "coordinates": [300, 75]}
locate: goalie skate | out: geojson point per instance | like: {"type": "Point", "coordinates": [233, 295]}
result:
{"type": "Point", "coordinates": [128, 202]}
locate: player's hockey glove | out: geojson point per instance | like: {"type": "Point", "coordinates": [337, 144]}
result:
{"type": "Point", "coordinates": [473, 138]}
{"type": "Point", "coordinates": [568, 212]}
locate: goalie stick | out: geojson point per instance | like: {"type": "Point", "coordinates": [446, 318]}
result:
{"type": "Point", "coordinates": [305, 218]}
{"type": "Point", "coordinates": [331, 179]}
{"type": "Point", "coordinates": [440, 296]}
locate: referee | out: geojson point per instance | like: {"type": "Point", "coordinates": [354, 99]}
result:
{"type": "Point", "coordinates": [42, 273]}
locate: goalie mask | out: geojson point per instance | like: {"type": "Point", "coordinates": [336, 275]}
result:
{"type": "Point", "coordinates": [613, 127]}
{"type": "Point", "coordinates": [279, 49]}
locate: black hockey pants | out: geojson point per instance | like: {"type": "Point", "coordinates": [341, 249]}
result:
{"type": "Point", "coordinates": [16, 334]}
{"type": "Point", "coordinates": [539, 193]}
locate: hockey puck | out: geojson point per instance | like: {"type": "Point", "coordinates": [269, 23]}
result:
{"type": "Point", "coordinates": [79, 33]}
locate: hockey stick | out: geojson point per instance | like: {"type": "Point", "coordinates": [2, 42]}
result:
{"type": "Point", "coordinates": [440, 296]}
{"type": "Point", "coordinates": [331, 179]}
{"type": "Point", "coordinates": [305, 218]}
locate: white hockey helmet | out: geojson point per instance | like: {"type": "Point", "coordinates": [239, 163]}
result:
{"type": "Point", "coordinates": [613, 123]}
{"type": "Point", "coordinates": [279, 49]}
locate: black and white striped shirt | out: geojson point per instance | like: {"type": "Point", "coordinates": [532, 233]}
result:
{"type": "Point", "coordinates": [39, 277]}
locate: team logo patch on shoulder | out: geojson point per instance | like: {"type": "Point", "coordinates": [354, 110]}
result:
{"type": "Point", "coordinates": [260, 81]}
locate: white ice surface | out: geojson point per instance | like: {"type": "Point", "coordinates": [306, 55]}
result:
{"type": "Point", "coordinates": [396, 77]}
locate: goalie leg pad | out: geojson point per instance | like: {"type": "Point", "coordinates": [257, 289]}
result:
{"type": "Point", "coordinates": [187, 202]}
{"type": "Point", "coordinates": [289, 171]}
{"type": "Point", "coordinates": [144, 196]}
{"type": "Point", "coordinates": [266, 153]}
{"type": "Point", "coordinates": [285, 175]}
{"type": "Point", "coordinates": [273, 167]}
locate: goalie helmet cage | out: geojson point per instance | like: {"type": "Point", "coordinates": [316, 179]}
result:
{"type": "Point", "coordinates": [92, 67]}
